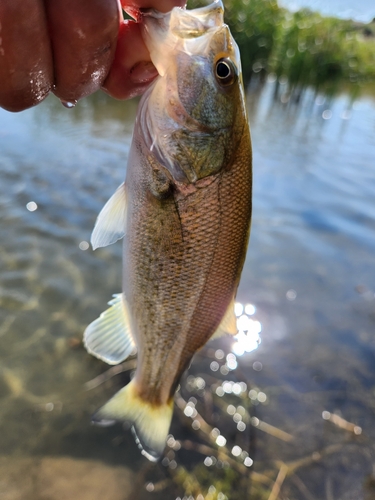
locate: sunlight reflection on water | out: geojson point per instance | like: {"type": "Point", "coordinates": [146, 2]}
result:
{"type": "Point", "coordinates": [248, 337]}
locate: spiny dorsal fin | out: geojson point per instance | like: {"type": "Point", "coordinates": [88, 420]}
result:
{"type": "Point", "coordinates": [150, 422]}
{"type": "Point", "coordinates": [109, 337]}
{"type": "Point", "coordinates": [228, 324]}
{"type": "Point", "coordinates": [111, 221]}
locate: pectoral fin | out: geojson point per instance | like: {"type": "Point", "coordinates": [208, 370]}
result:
{"type": "Point", "coordinates": [111, 221]}
{"type": "Point", "coordinates": [228, 324]}
{"type": "Point", "coordinates": [109, 337]}
{"type": "Point", "coordinates": [150, 422]}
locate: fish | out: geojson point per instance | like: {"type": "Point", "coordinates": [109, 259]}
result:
{"type": "Point", "coordinates": [185, 212]}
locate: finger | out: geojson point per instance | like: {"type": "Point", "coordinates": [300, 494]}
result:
{"type": "Point", "coordinates": [83, 37]}
{"type": "Point", "coordinates": [26, 74]}
{"type": "Point", "coordinates": [132, 70]}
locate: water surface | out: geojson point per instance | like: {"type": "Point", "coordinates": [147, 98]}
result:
{"type": "Point", "coordinates": [308, 283]}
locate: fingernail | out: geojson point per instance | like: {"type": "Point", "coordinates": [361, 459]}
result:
{"type": "Point", "coordinates": [143, 72]}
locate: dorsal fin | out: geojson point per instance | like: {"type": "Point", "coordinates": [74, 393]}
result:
{"type": "Point", "coordinates": [110, 225]}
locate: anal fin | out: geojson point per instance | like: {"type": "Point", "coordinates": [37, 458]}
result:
{"type": "Point", "coordinates": [109, 337]}
{"type": "Point", "coordinates": [228, 324]}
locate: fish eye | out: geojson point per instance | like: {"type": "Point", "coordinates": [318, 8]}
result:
{"type": "Point", "coordinates": [225, 72]}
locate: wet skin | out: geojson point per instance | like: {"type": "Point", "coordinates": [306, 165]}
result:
{"type": "Point", "coordinates": [72, 49]}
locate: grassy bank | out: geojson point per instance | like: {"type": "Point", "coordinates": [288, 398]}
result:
{"type": "Point", "coordinates": [325, 53]}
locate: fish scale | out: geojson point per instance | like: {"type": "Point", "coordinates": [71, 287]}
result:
{"type": "Point", "coordinates": [177, 288]}
{"type": "Point", "coordinates": [235, 196]}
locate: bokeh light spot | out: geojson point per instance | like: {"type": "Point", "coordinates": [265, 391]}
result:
{"type": "Point", "coordinates": [236, 451]}
{"type": "Point", "coordinates": [84, 245]}
{"type": "Point", "coordinates": [31, 206]}
{"type": "Point", "coordinates": [221, 441]}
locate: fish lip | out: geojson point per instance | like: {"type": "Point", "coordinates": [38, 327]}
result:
{"type": "Point", "coordinates": [171, 20]}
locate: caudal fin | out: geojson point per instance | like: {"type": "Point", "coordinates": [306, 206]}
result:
{"type": "Point", "coordinates": [150, 423]}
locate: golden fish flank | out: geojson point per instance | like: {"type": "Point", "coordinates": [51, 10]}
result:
{"type": "Point", "coordinates": [185, 207]}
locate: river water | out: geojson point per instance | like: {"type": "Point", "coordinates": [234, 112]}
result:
{"type": "Point", "coordinates": [290, 403]}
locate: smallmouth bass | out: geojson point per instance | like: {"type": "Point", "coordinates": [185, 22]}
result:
{"type": "Point", "coordinates": [185, 208]}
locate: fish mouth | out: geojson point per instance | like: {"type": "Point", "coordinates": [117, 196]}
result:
{"type": "Point", "coordinates": [194, 23]}
{"type": "Point", "coordinates": [182, 23]}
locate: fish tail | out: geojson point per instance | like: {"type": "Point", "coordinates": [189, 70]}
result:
{"type": "Point", "coordinates": [150, 422]}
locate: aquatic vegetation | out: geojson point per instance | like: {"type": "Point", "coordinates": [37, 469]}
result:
{"type": "Point", "coordinates": [255, 25]}
{"type": "Point", "coordinates": [306, 48]}
{"type": "Point", "coordinates": [230, 447]}
{"type": "Point", "coordinates": [322, 52]}
{"type": "Point", "coordinates": [219, 459]}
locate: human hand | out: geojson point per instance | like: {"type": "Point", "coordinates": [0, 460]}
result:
{"type": "Point", "coordinates": [72, 49]}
